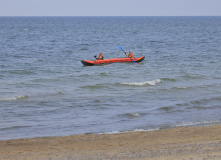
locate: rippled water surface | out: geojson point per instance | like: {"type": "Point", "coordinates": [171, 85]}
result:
{"type": "Point", "coordinates": [46, 91]}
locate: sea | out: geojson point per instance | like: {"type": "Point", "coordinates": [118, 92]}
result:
{"type": "Point", "coordinates": [46, 91]}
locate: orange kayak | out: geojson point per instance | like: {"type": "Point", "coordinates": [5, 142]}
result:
{"type": "Point", "coordinates": [114, 60]}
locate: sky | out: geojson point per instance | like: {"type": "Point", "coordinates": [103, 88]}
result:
{"type": "Point", "coordinates": [110, 7]}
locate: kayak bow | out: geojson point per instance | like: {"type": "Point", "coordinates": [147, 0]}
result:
{"type": "Point", "coordinates": [114, 60]}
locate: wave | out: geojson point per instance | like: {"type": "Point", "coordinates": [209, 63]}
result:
{"type": "Point", "coordinates": [135, 130]}
{"type": "Point", "coordinates": [130, 115]}
{"type": "Point", "coordinates": [21, 72]}
{"type": "Point", "coordinates": [103, 74]}
{"type": "Point", "coordinates": [84, 49]}
{"type": "Point", "coordinates": [14, 98]}
{"type": "Point", "coordinates": [13, 127]}
{"type": "Point", "coordinates": [107, 85]}
{"type": "Point", "coordinates": [180, 87]}
{"type": "Point", "coordinates": [83, 75]}
{"type": "Point", "coordinates": [193, 76]}
{"type": "Point", "coordinates": [185, 124]}
{"type": "Point", "coordinates": [96, 86]}
{"type": "Point", "coordinates": [168, 79]}
{"type": "Point", "coordinates": [167, 109]}
{"type": "Point", "coordinates": [205, 103]}
{"type": "Point", "coordinates": [142, 83]}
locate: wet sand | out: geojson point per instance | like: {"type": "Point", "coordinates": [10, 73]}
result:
{"type": "Point", "coordinates": [184, 143]}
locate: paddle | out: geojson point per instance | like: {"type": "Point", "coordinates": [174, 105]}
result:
{"type": "Point", "coordinates": [126, 54]}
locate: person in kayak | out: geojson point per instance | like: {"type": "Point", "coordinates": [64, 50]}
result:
{"type": "Point", "coordinates": [101, 57]}
{"type": "Point", "coordinates": [130, 55]}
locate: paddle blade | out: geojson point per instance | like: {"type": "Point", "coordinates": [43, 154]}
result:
{"type": "Point", "coordinates": [120, 47]}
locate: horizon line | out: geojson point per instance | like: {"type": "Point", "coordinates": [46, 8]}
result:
{"type": "Point", "coordinates": [121, 16]}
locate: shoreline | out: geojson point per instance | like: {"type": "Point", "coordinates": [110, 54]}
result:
{"type": "Point", "coordinates": [177, 143]}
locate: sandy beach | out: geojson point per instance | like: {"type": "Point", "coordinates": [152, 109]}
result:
{"type": "Point", "coordinates": [186, 143]}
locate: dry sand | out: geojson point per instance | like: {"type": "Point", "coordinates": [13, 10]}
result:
{"type": "Point", "coordinates": [184, 143]}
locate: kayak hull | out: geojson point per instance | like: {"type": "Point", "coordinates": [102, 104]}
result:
{"type": "Point", "coordinates": [114, 60]}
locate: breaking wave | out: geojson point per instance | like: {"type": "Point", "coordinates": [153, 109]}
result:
{"type": "Point", "coordinates": [14, 98]}
{"type": "Point", "coordinates": [185, 124]}
{"type": "Point", "coordinates": [142, 83]}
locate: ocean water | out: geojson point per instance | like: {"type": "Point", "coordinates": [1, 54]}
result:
{"type": "Point", "coordinates": [46, 91]}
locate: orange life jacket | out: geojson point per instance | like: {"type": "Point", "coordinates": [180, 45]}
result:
{"type": "Point", "coordinates": [130, 55]}
{"type": "Point", "coordinates": [101, 57]}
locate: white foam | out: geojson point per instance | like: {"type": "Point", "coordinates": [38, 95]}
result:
{"type": "Point", "coordinates": [196, 123]}
{"type": "Point", "coordinates": [151, 82]}
{"type": "Point", "coordinates": [144, 130]}
{"type": "Point", "coordinates": [13, 98]}
{"type": "Point", "coordinates": [136, 130]}
{"type": "Point", "coordinates": [135, 114]}
{"type": "Point", "coordinates": [113, 132]}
